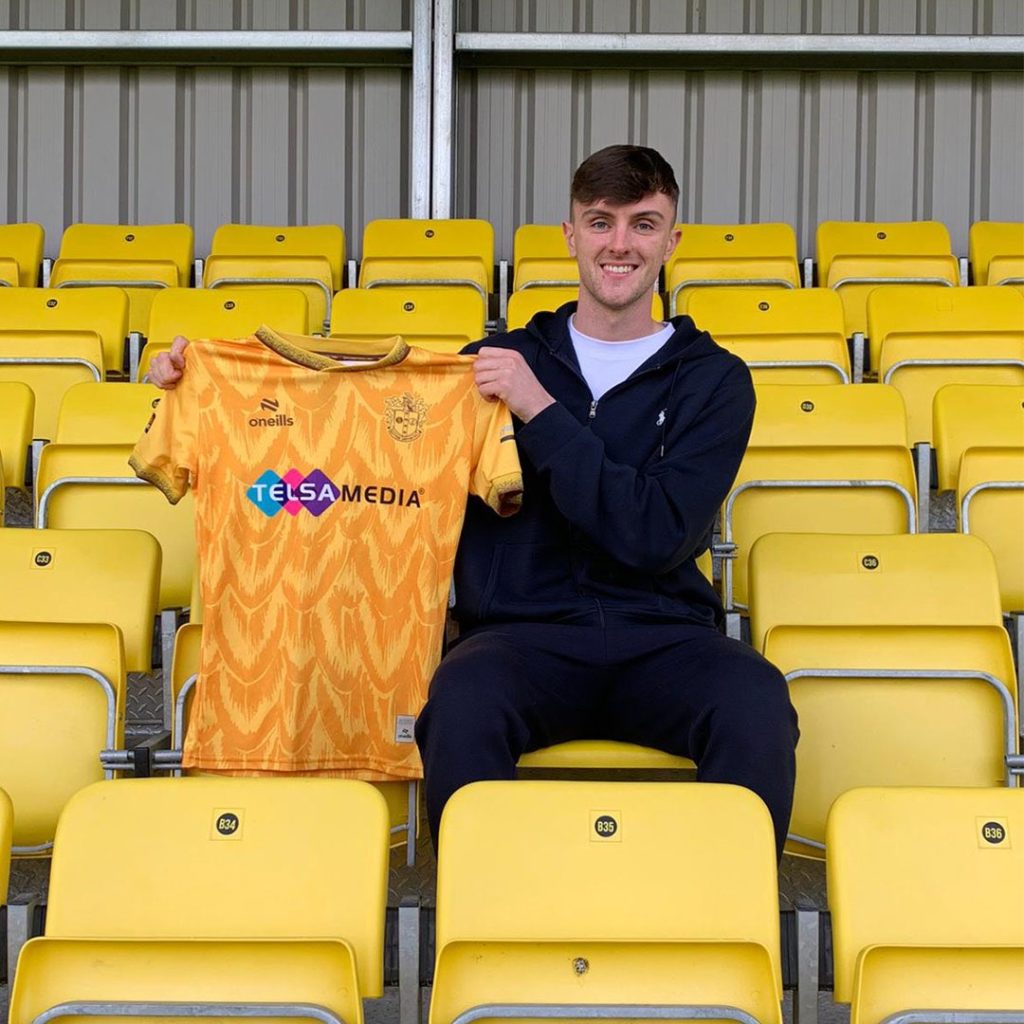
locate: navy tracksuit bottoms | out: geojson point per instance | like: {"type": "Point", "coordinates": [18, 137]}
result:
{"type": "Point", "coordinates": [689, 690]}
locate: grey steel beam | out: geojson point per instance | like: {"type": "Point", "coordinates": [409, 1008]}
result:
{"type": "Point", "coordinates": [239, 47]}
{"type": "Point", "coordinates": [444, 108]}
{"type": "Point", "coordinates": [621, 49]}
{"type": "Point", "coordinates": [422, 78]}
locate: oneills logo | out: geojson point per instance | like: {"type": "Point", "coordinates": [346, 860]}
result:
{"type": "Point", "coordinates": [278, 419]}
{"type": "Point", "coordinates": [405, 416]}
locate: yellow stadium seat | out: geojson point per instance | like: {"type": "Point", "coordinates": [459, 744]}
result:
{"type": "Point", "coordinates": [553, 894]}
{"type": "Point", "coordinates": [712, 255]}
{"type": "Point", "coordinates": [21, 252]}
{"type": "Point", "coordinates": [213, 899]}
{"type": "Point", "coordinates": [110, 576]}
{"type": "Point", "coordinates": [898, 666]}
{"type": "Point", "coordinates": [221, 313]}
{"type": "Point", "coordinates": [139, 258]}
{"type": "Point", "coordinates": [42, 313]}
{"type": "Point", "coordinates": [979, 444]}
{"type": "Point", "coordinates": [540, 258]}
{"type": "Point", "coordinates": [785, 337]}
{"type": "Point", "coordinates": [603, 755]}
{"type": "Point", "coordinates": [997, 253]}
{"type": "Point", "coordinates": [428, 252]}
{"type": "Point", "coordinates": [821, 459]}
{"type": "Point", "coordinates": [6, 832]}
{"type": "Point", "coordinates": [817, 579]}
{"type": "Point", "coordinates": [62, 689]}
{"type": "Point", "coordinates": [925, 338]}
{"type": "Point", "coordinates": [971, 416]}
{"type": "Point", "coordinates": [427, 317]}
{"type": "Point", "coordinates": [401, 797]}
{"type": "Point", "coordinates": [308, 258]}
{"type": "Point", "coordinates": [856, 257]}
{"type": "Point", "coordinates": [49, 365]}
{"type": "Point", "coordinates": [91, 486]}
{"type": "Point", "coordinates": [925, 886]}
{"type": "Point", "coordinates": [990, 505]}
{"type": "Point", "coordinates": [17, 413]}
{"type": "Point", "coordinates": [105, 413]}
{"type": "Point", "coordinates": [524, 305]}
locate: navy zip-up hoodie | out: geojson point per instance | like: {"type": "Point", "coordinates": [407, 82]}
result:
{"type": "Point", "coordinates": [619, 496]}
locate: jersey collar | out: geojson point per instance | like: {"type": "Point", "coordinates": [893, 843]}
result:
{"type": "Point", "coordinates": [297, 348]}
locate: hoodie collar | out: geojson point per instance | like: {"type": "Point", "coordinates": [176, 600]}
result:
{"type": "Point", "coordinates": [552, 330]}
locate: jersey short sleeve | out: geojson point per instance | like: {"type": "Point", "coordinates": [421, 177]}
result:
{"type": "Point", "coordinates": [497, 476]}
{"type": "Point", "coordinates": [166, 454]}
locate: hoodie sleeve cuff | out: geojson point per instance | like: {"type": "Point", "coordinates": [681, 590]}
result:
{"type": "Point", "coordinates": [546, 434]}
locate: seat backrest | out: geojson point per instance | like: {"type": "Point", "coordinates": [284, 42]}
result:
{"type": "Point", "coordinates": [965, 315]}
{"type": "Point", "coordinates": [811, 415]}
{"type": "Point", "coordinates": [924, 867]}
{"type": "Point", "coordinates": [327, 240]}
{"type": "Point", "coordinates": [944, 336]}
{"type": "Point", "coordinates": [441, 320]}
{"type": "Point", "coordinates": [520, 863]}
{"type": "Point", "coordinates": [22, 244]}
{"type": "Point", "coordinates": [776, 325]}
{"type": "Point", "coordinates": [974, 415]}
{"type": "Point", "coordinates": [49, 365]}
{"type": "Point", "coordinates": [727, 242]}
{"type": "Point", "coordinates": [17, 413]}
{"type": "Point", "coordinates": [224, 312]}
{"type": "Point", "coordinates": [861, 579]}
{"type": "Point", "coordinates": [990, 505]}
{"type": "Point", "coordinates": [67, 499]}
{"type": "Point", "coordinates": [893, 705]}
{"type": "Point", "coordinates": [300, 858]}
{"type": "Point", "coordinates": [105, 413]}
{"type": "Point", "coordinates": [62, 575]}
{"type": "Point", "coordinates": [757, 313]}
{"type": "Point", "coordinates": [560, 853]}
{"type": "Point", "coordinates": [871, 238]}
{"type": "Point", "coordinates": [990, 239]}
{"type": "Point", "coordinates": [53, 726]}
{"type": "Point", "coordinates": [423, 242]}
{"type": "Point", "coordinates": [131, 244]}
{"type": "Point", "coordinates": [101, 311]}
{"type": "Point", "coordinates": [538, 241]}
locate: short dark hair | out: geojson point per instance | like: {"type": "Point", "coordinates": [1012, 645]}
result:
{"type": "Point", "coordinates": [623, 175]}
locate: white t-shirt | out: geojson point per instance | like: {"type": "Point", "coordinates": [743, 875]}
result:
{"type": "Point", "coordinates": [607, 363]}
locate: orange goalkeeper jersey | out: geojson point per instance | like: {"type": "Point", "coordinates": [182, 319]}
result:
{"type": "Point", "coordinates": [329, 497]}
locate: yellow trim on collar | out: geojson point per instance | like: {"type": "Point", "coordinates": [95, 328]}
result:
{"type": "Point", "coordinates": [298, 348]}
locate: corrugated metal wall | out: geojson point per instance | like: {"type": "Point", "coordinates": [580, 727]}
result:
{"type": "Point", "coordinates": [751, 146]}
{"type": "Point", "coordinates": [987, 17]}
{"type": "Point", "coordinates": [211, 145]}
{"type": "Point", "coordinates": [204, 145]}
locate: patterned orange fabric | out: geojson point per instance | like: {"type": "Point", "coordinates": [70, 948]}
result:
{"type": "Point", "coordinates": [329, 497]}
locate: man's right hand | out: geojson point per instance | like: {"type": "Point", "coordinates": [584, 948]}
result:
{"type": "Point", "coordinates": [166, 369]}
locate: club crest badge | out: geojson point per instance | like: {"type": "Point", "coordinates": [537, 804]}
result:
{"type": "Point", "coordinates": [405, 416]}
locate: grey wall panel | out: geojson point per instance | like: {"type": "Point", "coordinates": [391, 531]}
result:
{"type": "Point", "coordinates": [801, 147]}
{"type": "Point", "coordinates": [838, 16]}
{"type": "Point", "coordinates": [155, 126]}
{"type": "Point", "coordinates": [204, 145]}
{"type": "Point", "coordinates": [40, 149]}
{"type": "Point", "coordinates": [1005, 148]}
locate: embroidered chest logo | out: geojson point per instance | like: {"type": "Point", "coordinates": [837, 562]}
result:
{"type": "Point", "coordinates": [405, 416]}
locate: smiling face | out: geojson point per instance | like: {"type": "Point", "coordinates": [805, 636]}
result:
{"type": "Point", "coordinates": [620, 249]}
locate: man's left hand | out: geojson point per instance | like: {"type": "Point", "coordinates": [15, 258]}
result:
{"type": "Point", "coordinates": [503, 373]}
